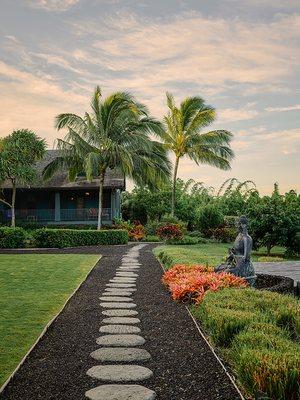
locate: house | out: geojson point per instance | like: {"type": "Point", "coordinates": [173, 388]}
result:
{"type": "Point", "coordinates": [59, 201]}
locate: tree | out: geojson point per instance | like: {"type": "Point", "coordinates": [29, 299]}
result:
{"type": "Point", "coordinates": [274, 220]}
{"type": "Point", "coordinates": [182, 136]}
{"type": "Point", "coordinates": [115, 135]}
{"type": "Point", "coordinates": [19, 152]}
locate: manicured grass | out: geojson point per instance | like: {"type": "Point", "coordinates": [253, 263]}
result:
{"type": "Point", "coordinates": [33, 288]}
{"type": "Point", "coordinates": [207, 253]}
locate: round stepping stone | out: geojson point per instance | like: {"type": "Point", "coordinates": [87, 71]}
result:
{"type": "Point", "coordinates": [121, 320]}
{"type": "Point", "coordinates": [115, 298]}
{"type": "Point", "coordinates": [119, 373]}
{"type": "Point", "coordinates": [119, 313]}
{"type": "Point", "coordinates": [121, 340]}
{"type": "Point", "coordinates": [115, 329]}
{"type": "Point", "coordinates": [121, 285]}
{"type": "Point", "coordinates": [117, 305]}
{"type": "Point", "coordinates": [120, 354]}
{"type": "Point", "coordinates": [120, 392]}
{"type": "Point", "coordinates": [117, 293]}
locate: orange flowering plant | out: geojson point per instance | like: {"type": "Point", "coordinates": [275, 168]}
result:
{"type": "Point", "coordinates": [190, 283]}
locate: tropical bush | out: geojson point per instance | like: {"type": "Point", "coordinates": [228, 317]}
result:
{"type": "Point", "coordinates": [170, 231]}
{"type": "Point", "coordinates": [75, 237]}
{"type": "Point", "coordinates": [137, 232]}
{"type": "Point", "coordinates": [190, 283]}
{"type": "Point", "coordinates": [12, 238]}
{"type": "Point", "coordinates": [223, 233]}
{"type": "Point", "coordinates": [258, 332]}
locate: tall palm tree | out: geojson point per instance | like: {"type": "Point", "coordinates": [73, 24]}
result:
{"type": "Point", "coordinates": [182, 136]}
{"type": "Point", "coordinates": [115, 135]}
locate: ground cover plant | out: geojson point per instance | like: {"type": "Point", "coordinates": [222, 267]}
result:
{"type": "Point", "coordinates": [33, 288]}
{"type": "Point", "coordinates": [190, 283]}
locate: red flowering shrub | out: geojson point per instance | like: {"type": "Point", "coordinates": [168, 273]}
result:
{"type": "Point", "coordinates": [189, 283]}
{"type": "Point", "coordinates": [170, 231]}
{"type": "Point", "coordinates": [137, 233]}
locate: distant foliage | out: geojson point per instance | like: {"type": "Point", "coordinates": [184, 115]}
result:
{"type": "Point", "coordinates": [209, 217]}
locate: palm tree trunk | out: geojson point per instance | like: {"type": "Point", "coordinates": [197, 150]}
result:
{"type": "Point", "coordinates": [13, 201]}
{"type": "Point", "coordinates": [174, 187]}
{"type": "Point", "coordinates": [101, 183]}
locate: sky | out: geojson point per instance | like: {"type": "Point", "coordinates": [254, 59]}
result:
{"type": "Point", "coordinates": [241, 56]}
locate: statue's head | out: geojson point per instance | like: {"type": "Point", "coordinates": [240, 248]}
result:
{"type": "Point", "coordinates": [242, 224]}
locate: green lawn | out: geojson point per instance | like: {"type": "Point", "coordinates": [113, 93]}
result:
{"type": "Point", "coordinates": [210, 253]}
{"type": "Point", "coordinates": [33, 288]}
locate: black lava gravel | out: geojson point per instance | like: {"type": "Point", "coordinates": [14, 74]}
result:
{"type": "Point", "coordinates": [183, 366]}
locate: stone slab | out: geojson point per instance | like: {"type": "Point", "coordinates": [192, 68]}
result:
{"type": "Point", "coordinates": [120, 373]}
{"type": "Point", "coordinates": [127, 274]}
{"type": "Point", "coordinates": [121, 340]}
{"type": "Point", "coordinates": [119, 313]}
{"type": "Point", "coordinates": [117, 293]}
{"type": "Point", "coordinates": [108, 289]}
{"type": "Point", "coordinates": [120, 354]}
{"type": "Point", "coordinates": [119, 329]}
{"type": "Point", "coordinates": [121, 285]}
{"type": "Point", "coordinates": [117, 305]}
{"type": "Point", "coordinates": [121, 320]}
{"type": "Point", "coordinates": [116, 298]}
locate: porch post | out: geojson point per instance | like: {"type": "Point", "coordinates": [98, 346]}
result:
{"type": "Point", "coordinates": [118, 203]}
{"type": "Point", "coordinates": [57, 207]}
{"type": "Point", "coordinates": [112, 204]}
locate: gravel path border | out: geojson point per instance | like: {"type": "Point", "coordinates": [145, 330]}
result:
{"type": "Point", "coordinates": [183, 365]}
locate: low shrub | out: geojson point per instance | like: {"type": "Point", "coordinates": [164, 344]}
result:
{"type": "Point", "coordinates": [12, 238]}
{"type": "Point", "coordinates": [186, 240]}
{"type": "Point", "coordinates": [190, 283]}
{"type": "Point", "coordinates": [258, 333]}
{"type": "Point", "coordinates": [151, 238]}
{"type": "Point", "coordinates": [223, 234]}
{"type": "Point", "coordinates": [73, 238]}
{"type": "Point", "coordinates": [270, 259]}
{"type": "Point", "coordinates": [171, 231]}
{"type": "Point", "coordinates": [267, 361]}
{"type": "Point", "coordinates": [153, 226]}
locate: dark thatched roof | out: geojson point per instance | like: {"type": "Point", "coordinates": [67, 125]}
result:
{"type": "Point", "coordinates": [60, 180]}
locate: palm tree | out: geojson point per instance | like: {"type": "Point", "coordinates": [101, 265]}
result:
{"type": "Point", "coordinates": [115, 135]}
{"type": "Point", "coordinates": [182, 136]}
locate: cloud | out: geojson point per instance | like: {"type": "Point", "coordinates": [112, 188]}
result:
{"type": "Point", "coordinates": [53, 5]}
{"type": "Point", "coordinates": [282, 109]}
{"type": "Point", "coordinates": [232, 115]}
{"type": "Point", "coordinates": [150, 56]}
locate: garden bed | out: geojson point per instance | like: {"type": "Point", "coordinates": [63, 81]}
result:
{"type": "Point", "coordinates": [275, 283]}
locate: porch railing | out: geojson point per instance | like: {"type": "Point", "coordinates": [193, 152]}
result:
{"type": "Point", "coordinates": [49, 215]}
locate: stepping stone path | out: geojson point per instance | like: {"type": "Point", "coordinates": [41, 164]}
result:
{"type": "Point", "coordinates": [120, 339]}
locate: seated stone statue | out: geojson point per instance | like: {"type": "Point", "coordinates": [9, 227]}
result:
{"type": "Point", "coordinates": [238, 261]}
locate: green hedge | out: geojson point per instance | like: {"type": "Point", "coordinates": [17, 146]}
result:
{"type": "Point", "coordinates": [12, 238]}
{"type": "Point", "coordinates": [258, 332]}
{"type": "Point", "coordinates": [76, 237]}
